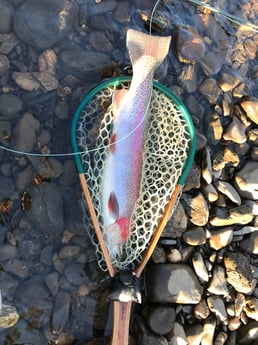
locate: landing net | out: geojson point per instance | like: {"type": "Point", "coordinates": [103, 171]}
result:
{"type": "Point", "coordinates": [166, 147]}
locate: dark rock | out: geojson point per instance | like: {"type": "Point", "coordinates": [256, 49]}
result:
{"type": "Point", "coordinates": [173, 283]}
{"type": "Point", "coordinates": [6, 13]}
{"type": "Point", "coordinates": [42, 24]}
{"type": "Point", "coordinates": [239, 271]}
{"type": "Point", "coordinates": [4, 63]}
{"type": "Point", "coordinates": [161, 319]}
{"type": "Point", "coordinates": [46, 211]}
{"type": "Point", "coordinates": [7, 187]}
{"type": "Point", "coordinates": [10, 106]}
{"type": "Point", "coordinates": [32, 300]}
{"type": "Point", "coordinates": [25, 133]}
{"type": "Point", "coordinates": [81, 62]}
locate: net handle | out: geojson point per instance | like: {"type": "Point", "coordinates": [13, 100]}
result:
{"type": "Point", "coordinates": [95, 223]}
{"type": "Point", "coordinates": [121, 321]}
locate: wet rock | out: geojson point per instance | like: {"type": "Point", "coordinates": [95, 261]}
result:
{"type": "Point", "coordinates": [199, 266]}
{"type": "Point", "coordinates": [61, 310]}
{"type": "Point", "coordinates": [176, 224]}
{"type": "Point", "coordinates": [16, 267]}
{"type": "Point", "coordinates": [239, 272]}
{"type": "Point", "coordinates": [190, 46]}
{"type": "Point", "coordinates": [217, 283]}
{"type": "Point", "coordinates": [251, 308]}
{"type": "Point", "coordinates": [47, 61]}
{"type": "Point", "coordinates": [6, 13]}
{"type": "Point", "coordinates": [238, 215]}
{"type": "Point", "coordinates": [10, 106]}
{"type": "Point", "coordinates": [214, 128]}
{"type": "Point", "coordinates": [158, 255]}
{"type": "Point", "coordinates": [193, 334]}
{"type": "Point", "coordinates": [250, 244]}
{"type": "Point", "coordinates": [221, 338]}
{"type": "Point", "coordinates": [210, 192]}
{"type": "Point", "coordinates": [173, 283]}
{"type": "Point", "coordinates": [69, 251]}
{"type": "Point", "coordinates": [197, 209]}
{"type": "Point", "coordinates": [100, 42]}
{"type": "Point", "coordinates": [157, 318]}
{"type": "Point", "coordinates": [8, 285]}
{"type": "Point", "coordinates": [7, 43]}
{"type": "Point", "coordinates": [7, 187]}
{"type": "Point", "coordinates": [235, 131]}
{"type": "Point", "coordinates": [8, 316]}
{"type": "Point", "coordinates": [193, 179]}
{"type": "Point", "coordinates": [34, 81]}
{"type": "Point", "coordinates": [194, 237]}
{"type": "Point", "coordinates": [246, 180]}
{"type": "Point", "coordinates": [178, 333]}
{"type": "Point", "coordinates": [47, 167]}
{"type": "Point", "coordinates": [209, 327]}
{"type": "Point", "coordinates": [201, 310]}
{"type": "Point", "coordinates": [188, 78]}
{"type": "Point", "coordinates": [195, 109]}
{"type": "Point", "coordinates": [48, 81]}
{"type": "Point", "coordinates": [210, 64]}
{"type": "Point", "coordinates": [79, 62]}
{"type": "Point", "coordinates": [23, 178]}
{"type": "Point", "coordinates": [149, 339]}
{"type": "Point", "coordinates": [43, 24]}
{"type": "Point", "coordinates": [217, 307]}
{"type": "Point", "coordinates": [46, 211]}
{"type": "Point", "coordinates": [248, 333]}
{"type": "Point", "coordinates": [250, 107]}
{"type": "Point", "coordinates": [62, 110]}
{"type": "Point", "coordinates": [228, 80]}
{"type": "Point", "coordinates": [4, 64]}
{"type": "Point", "coordinates": [252, 137]}
{"type": "Point", "coordinates": [5, 132]}
{"type": "Point", "coordinates": [7, 252]}
{"type": "Point", "coordinates": [221, 238]}
{"type": "Point", "coordinates": [52, 282]}
{"type": "Point", "coordinates": [239, 304]}
{"type": "Point", "coordinates": [75, 274]}
{"type": "Point", "coordinates": [227, 189]}
{"type": "Point", "coordinates": [32, 300]}
{"type": "Point", "coordinates": [210, 90]}
{"type": "Point", "coordinates": [174, 256]}
{"type": "Point", "coordinates": [206, 165]}
{"type": "Point", "coordinates": [25, 133]}
{"type": "Point", "coordinates": [227, 157]}
{"type": "Point", "coordinates": [26, 81]}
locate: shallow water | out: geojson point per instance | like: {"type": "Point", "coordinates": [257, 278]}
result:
{"type": "Point", "coordinates": [49, 270]}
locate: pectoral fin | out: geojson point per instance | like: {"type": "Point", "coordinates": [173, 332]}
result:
{"type": "Point", "coordinates": [113, 206]}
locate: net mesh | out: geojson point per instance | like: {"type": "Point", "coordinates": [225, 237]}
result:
{"type": "Point", "coordinates": [165, 152]}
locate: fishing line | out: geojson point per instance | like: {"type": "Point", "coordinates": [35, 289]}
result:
{"type": "Point", "coordinates": [152, 14]}
{"type": "Point", "coordinates": [73, 153]}
{"type": "Point", "coordinates": [230, 17]}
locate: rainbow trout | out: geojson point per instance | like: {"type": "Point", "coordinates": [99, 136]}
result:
{"type": "Point", "coordinates": [123, 166]}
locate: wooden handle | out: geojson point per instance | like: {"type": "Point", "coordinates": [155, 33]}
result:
{"type": "Point", "coordinates": [158, 231]}
{"type": "Point", "coordinates": [96, 224]}
{"type": "Point", "coordinates": [122, 312]}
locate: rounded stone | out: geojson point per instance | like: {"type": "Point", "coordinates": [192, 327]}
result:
{"type": "Point", "coordinates": [173, 283]}
{"type": "Point", "coordinates": [10, 106]}
{"type": "Point", "coordinates": [42, 24]}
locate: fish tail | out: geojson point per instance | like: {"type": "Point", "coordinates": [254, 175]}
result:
{"type": "Point", "coordinates": [139, 44]}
